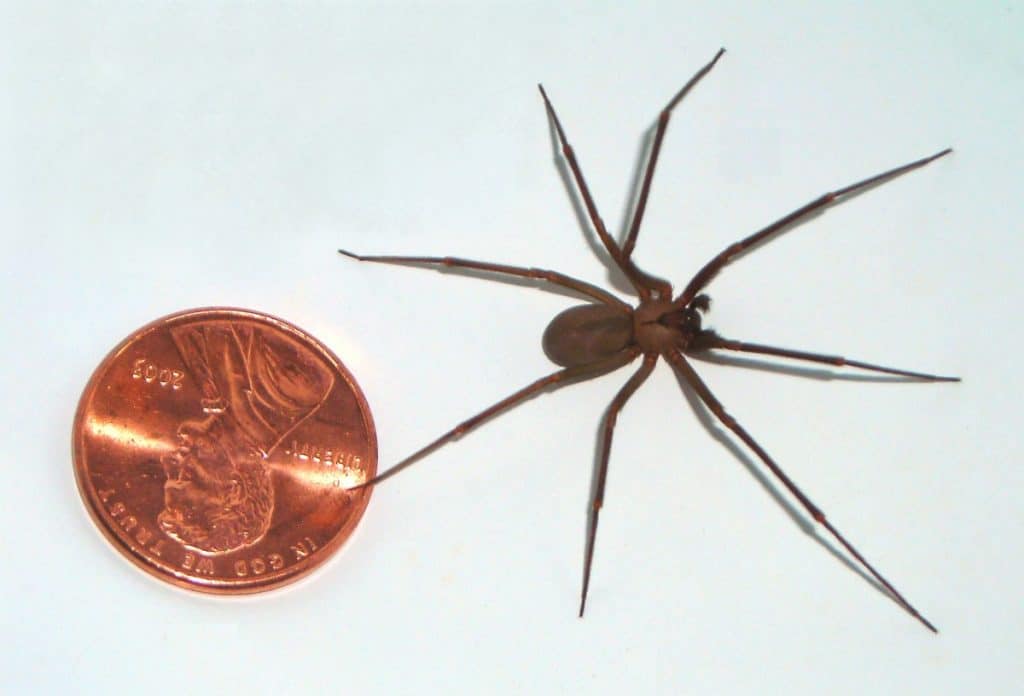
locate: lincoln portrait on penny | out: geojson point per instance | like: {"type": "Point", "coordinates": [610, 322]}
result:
{"type": "Point", "coordinates": [256, 387]}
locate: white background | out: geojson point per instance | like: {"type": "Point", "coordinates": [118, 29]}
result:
{"type": "Point", "coordinates": [157, 157]}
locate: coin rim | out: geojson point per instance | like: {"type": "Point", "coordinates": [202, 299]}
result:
{"type": "Point", "coordinates": [164, 572]}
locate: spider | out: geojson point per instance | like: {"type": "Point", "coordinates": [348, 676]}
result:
{"type": "Point", "coordinates": [606, 333]}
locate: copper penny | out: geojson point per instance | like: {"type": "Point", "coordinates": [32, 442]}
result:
{"type": "Point", "coordinates": [213, 448]}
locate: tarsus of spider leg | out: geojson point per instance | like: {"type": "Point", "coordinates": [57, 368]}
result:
{"type": "Point", "coordinates": [552, 277]}
{"type": "Point", "coordinates": [709, 339]}
{"type": "Point", "coordinates": [590, 370]}
{"type": "Point", "coordinates": [643, 282]}
{"type": "Point", "coordinates": [659, 135]}
{"type": "Point", "coordinates": [691, 377]}
{"type": "Point", "coordinates": [597, 497]}
{"type": "Point", "coordinates": [712, 267]}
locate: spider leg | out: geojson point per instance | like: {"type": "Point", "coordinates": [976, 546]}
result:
{"type": "Point", "coordinates": [643, 282]}
{"type": "Point", "coordinates": [597, 495]}
{"type": "Point", "coordinates": [578, 371]}
{"type": "Point", "coordinates": [553, 277]}
{"type": "Point", "coordinates": [641, 204]}
{"type": "Point", "coordinates": [709, 339]}
{"type": "Point", "coordinates": [687, 372]}
{"type": "Point", "coordinates": [711, 269]}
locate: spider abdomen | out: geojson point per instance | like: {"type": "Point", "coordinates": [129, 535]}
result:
{"type": "Point", "coordinates": [587, 333]}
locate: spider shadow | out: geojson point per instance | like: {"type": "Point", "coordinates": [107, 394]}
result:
{"type": "Point", "coordinates": [710, 424]}
{"type": "Point", "coordinates": [820, 374]}
{"type": "Point", "coordinates": [616, 278]}
{"type": "Point", "coordinates": [497, 277]}
{"type": "Point", "coordinates": [805, 525]}
{"type": "Point", "coordinates": [809, 217]}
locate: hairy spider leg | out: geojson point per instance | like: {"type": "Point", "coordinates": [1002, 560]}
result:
{"type": "Point", "coordinates": [597, 495]}
{"type": "Point", "coordinates": [691, 377]}
{"type": "Point", "coordinates": [553, 277]}
{"type": "Point", "coordinates": [712, 267]}
{"type": "Point", "coordinates": [587, 371]}
{"type": "Point", "coordinates": [643, 282]}
{"type": "Point", "coordinates": [652, 161]}
{"type": "Point", "coordinates": [710, 340]}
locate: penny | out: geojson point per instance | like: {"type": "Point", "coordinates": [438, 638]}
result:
{"type": "Point", "coordinates": [213, 449]}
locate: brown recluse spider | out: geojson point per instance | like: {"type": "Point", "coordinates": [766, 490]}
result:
{"type": "Point", "coordinates": [606, 334]}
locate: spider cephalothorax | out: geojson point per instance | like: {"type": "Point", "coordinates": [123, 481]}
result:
{"type": "Point", "coordinates": [593, 339]}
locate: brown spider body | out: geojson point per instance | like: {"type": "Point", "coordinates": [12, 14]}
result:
{"type": "Point", "coordinates": [585, 334]}
{"type": "Point", "coordinates": [593, 339]}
